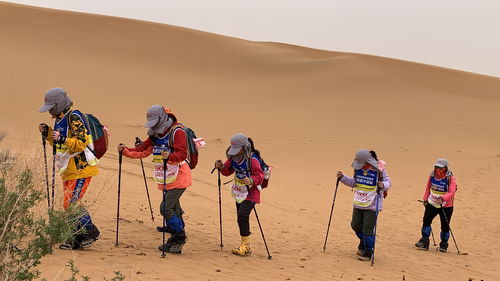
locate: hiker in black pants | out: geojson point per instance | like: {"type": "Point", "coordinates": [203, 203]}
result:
{"type": "Point", "coordinates": [245, 190]}
{"type": "Point", "coordinates": [438, 198]}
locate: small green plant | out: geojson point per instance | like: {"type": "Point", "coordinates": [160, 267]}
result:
{"type": "Point", "coordinates": [75, 272]}
{"type": "Point", "coordinates": [27, 231]}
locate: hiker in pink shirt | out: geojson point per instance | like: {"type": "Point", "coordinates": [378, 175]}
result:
{"type": "Point", "coordinates": [438, 199]}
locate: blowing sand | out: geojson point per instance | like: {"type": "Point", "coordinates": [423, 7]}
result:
{"type": "Point", "coordinates": [308, 112]}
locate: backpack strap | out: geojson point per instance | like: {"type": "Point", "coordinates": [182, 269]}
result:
{"type": "Point", "coordinates": [249, 166]}
{"type": "Point", "coordinates": [171, 140]}
{"type": "Point", "coordinates": [172, 133]}
{"type": "Point", "coordinates": [448, 179]}
{"type": "Point", "coordinates": [87, 127]}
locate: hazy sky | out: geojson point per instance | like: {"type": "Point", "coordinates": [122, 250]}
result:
{"type": "Point", "coordinates": [460, 34]}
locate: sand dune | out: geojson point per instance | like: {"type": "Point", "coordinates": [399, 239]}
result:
{"type": "Point", "coordinates": [308, 111]}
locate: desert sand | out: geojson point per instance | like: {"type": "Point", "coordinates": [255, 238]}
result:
{"type": "Point", "coordinates": [308, 111]}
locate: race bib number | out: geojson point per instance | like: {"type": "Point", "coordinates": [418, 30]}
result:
{"type": "Point", "coordinates": [171, 175]}
{"type": "Point", "coordinates": [239, 191]}
{"type": "Point", "coordinates": [364, 198]}
{"type": "Point", "coordinates": [434, 200]}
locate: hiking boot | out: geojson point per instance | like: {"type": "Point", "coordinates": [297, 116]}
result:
{"type": "Point", "coordinates": [88, 239]}
{"type": "Point", "coordinates": [442, 250]}
{"type": "Point", "coordinates": [366, 256]}
{"type": "Point", "coordinates": [174, 244]}
{"type": "Point", "coordinates": [361, 245]}
{"type": "Point", "coordinates": [443, 247]}
{"type": "Point", "coordinates": [422, 244]}
{"type": "Point", "coordinates": [244, 248]}
{"type": "Point", "coordinates": [167, 245]}
{"type": "Point", "coordinates": [87, 242]}
{"type": "Point", "coordinates": [94, 233]}
{"type": "Point", "coordinates": [70, 244]}
{"type": "Point", "coordinates": [179, 241]}
{"type": "Point", "coordinates": [361, 248]}
{"type": "Point", "coordinates": [176, 248]}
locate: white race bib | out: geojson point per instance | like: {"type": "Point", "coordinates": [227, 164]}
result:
{"type": "Point", "coordinates": [364, 198]}
{"type": "Point", "coordinates": [171, 176]}
{"type": "Point", "coordinates": [239, 191]}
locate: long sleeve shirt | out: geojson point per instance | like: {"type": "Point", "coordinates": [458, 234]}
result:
{"type": "Point", "coordinates": [256, 174]}
{"type": "Point", "coordinates": [351, 182]}
{"type": "Point", "coordinates": [177, 156]}
{"type": "Point", "coordinates": [448, 197]}
{"type": "Point", "coordinates": [75, 142]}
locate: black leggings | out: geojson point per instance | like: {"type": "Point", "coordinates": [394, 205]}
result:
{"type": "Point", "coordinates": [431, 212]}
{"type": "Point", "coordinates": [244, 209]}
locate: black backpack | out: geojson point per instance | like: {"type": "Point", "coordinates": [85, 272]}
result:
{"type": "Point", "coordinates": [265, 168]}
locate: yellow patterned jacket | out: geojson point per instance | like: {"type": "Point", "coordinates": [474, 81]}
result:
{"type": "Point", "coordinates": [74, 160]}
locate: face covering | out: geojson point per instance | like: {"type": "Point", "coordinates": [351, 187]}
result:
{"type": "Point", "coordinates": [164, 122]}
{"type": "Point", "coordinates": [238, 157]}
{"type": "Point", "coordinates": [440, 173]}
{"type": "Point", "coordinates": [61, 106]}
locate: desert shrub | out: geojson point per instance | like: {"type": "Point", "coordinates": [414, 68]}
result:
{"type": "Point", "coordinates": [27, 230]}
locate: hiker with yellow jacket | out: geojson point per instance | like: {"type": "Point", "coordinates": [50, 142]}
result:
{"type": "Point", "coordinates": [74, 159]}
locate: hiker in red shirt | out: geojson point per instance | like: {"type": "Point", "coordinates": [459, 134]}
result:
{"type": "Point", "coordinates": [166, 140]}
{"type": "Point", "coordinates": [248, 177]}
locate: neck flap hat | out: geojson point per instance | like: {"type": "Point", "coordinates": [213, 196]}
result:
{"type": "Point", "coordinates": [158, 120]}
{"type": "Point", "coordinates": [238, 142]}
{"type": "Point", "coordinates": [442, 163]}
{"type": "Point", "coordinates": [364, 156]}
{"type": "Point", "coordinates": [56, 101]}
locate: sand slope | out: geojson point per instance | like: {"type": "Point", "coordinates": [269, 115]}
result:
{"type": "Point", "coordinates": [308, 110]}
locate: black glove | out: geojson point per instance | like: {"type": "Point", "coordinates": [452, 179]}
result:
{"type": "Point", "coordinates": [137, 141]}
{"type": "Point", "coordinates": [44, 129]}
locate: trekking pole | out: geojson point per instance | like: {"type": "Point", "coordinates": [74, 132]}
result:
{"type": "Point", "coordinates": [220, 207]}
{"type": "Point", "coordinates": [331, 213]}
{"type": "Point", "coordinates": [119, 186]}
{"type": "Point", "coordinates": [375, 227]}
{"type": "Point", "coordinates": [53, 173]}
{"type": "Point", "coordinates": [260, 227]}
{"type": "Point", "coordinates": [46, 169]}
{"type": "Point", "coordinates": [451, 232]}
{"type": "Point", "coordinates": [137, 143]}
{"type": "Point", "coordinates": [164, 203]}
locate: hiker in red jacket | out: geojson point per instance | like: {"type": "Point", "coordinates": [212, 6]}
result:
{"type": "Point", "coordinates": [166, 140]}
{"type": "Point", "coordinates": [248, 177]}
{"type": "Point", "coordinates": [438, 199]}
